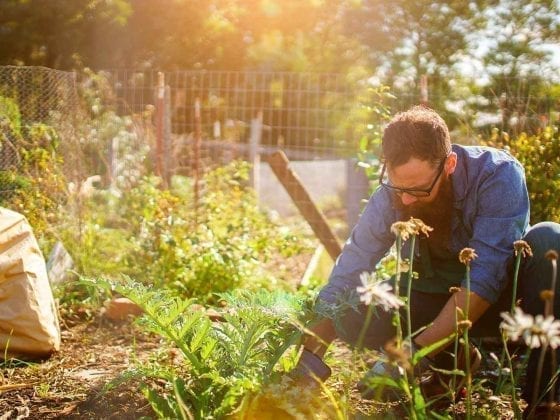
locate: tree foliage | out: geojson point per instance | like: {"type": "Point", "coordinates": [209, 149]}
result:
{"type": "Point", "coordinates": [518, 61]}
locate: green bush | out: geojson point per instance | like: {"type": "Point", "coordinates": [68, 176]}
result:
{"type": "Point", "coordinates": [540, 156]}
{"type": "Point", "coordinates": [31, 179]}
{"type": "Point", "coordinates": [160, 237]}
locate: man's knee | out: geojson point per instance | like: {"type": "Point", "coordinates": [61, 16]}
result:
{"type": "Point", "coordinates": [543, 237]}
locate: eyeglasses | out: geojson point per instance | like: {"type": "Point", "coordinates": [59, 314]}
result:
{"type": "Point", "coordinates": [416, 192]}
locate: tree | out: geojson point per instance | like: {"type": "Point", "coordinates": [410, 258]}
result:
{"type": "Point", "coordinates": [56, 33]}
{"type": "Point", "coordinates": [408, 40]}
{"type": "Point", "coordinates": [518, 62]}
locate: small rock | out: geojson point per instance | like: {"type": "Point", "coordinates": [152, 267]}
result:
{"type": "Point", "coordinates": [120, 309]}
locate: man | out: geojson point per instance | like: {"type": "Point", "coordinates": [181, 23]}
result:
{"type": "Point", "coordinates": [473, 197]}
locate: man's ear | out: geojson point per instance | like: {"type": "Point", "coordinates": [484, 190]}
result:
{"type": "Point", "coordinates": [451, 163]}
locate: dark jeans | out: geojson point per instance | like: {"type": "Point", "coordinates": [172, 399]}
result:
{"type": "Point", "coordinates": [535, 275]}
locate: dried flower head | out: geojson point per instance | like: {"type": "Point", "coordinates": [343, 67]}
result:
{"type": "Point", "coordinates": [467, 255]}
{"type": "Point", "coordinates": [419, 227]}
{"type": "Point", "coordinates": [551, 255]}
{"type": "Point", "coordinates": [535, 331]}
{"type": "Point", "coordinates": [523, 248]}
{"type": "Point", "coordinates": [412, 227]}
{"type": "Point", "coordinates": [379, 293]}
{"type": "Point", "coordinates": [546, 295]}
{"type": "Point", "coordinates": [402, 230]}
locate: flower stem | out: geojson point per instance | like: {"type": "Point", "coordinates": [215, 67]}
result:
{"type": "Point", "coordinates": [516, 410]}
{"type": "Point", "coordinates": [367, 321]}
{"type": "Point", "coordinates": [397, 316]}
{"type": "Point", "coordinates": [468, 372]}
{"type": "Point", "coordinates": [408, 293]}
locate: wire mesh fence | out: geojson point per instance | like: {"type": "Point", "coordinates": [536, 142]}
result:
{"type": "Point", "coordinates": [119, 125]}
{"type": "Point", "coordinates": [300, 111]}
{"type": "Point", "coordinates": [37, 105]}
{"type": "Point", "coordinates": [203, 119]}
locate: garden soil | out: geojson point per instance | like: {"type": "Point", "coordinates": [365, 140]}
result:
{"type": "Point", "coordinates": [71, 383]}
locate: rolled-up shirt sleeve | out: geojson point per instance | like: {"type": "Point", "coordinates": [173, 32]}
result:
{"type": "Point", "coordinates": [369, 241]}
{"type": "Point", "coordinates": [501, 219]}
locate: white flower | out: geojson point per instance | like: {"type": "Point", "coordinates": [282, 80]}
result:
{"type": "Point", "coordinates": [377, 293]}
{"type": "Point", "coordinates": [535, 331]}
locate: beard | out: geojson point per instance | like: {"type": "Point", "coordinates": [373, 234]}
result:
{"type": "Point", "coordinates": [436, 214]}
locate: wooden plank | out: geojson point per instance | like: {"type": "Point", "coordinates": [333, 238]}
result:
{"type": "Point", "coordinates": [288, 178]}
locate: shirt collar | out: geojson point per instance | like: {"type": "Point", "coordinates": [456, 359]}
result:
{"type": "Point", "coordinates": [459, 177]}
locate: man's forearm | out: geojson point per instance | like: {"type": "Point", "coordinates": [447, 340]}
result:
{"type": "Point", "coordinates": [321, 335]}
{"type": "Point", "coordinates": [444, 324]}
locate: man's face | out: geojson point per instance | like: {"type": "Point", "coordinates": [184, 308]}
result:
{"type": "Point", "coordinates": [418, 175]}
{"type": "Point", "coordinates": [435, 209]}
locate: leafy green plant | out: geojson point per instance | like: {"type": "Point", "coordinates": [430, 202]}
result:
{"type": "Point", "coordinates": [224, 362]}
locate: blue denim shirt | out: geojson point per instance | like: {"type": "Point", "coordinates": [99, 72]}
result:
{"type": "Point", "coordinates": [492, 212]}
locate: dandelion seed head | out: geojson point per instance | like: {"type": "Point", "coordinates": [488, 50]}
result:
{"type": "Point", "coordinates": [522, 247]}
{"type": "Point", "coordinates": [467, 255]}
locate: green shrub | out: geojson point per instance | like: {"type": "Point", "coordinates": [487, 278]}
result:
{"type": "Point", "coordinates": [31, 179]}
{"type": "Point", "coordinates": [540, 156]}
{"type": "Point", "coordinates": [160, 237]}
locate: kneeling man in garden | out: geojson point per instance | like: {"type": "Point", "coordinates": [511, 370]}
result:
{"type": "Point", "coordinates": [474, 198]}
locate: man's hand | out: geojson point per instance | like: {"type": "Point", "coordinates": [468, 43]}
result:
{"type": "Point", "coordinates": [310, 369]}
{"type": "Point", "coordinates": [444, 324]}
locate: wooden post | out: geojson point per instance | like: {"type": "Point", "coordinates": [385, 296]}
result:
{"type": "Point", "coordinates": [254, 156]}
{"type": "Point", "coordinates": [160, 105]}
{"type": "Point", "coordinates": [424, 89]}
{"type": "Point", "coordinates": [167, 136]}
{"type": "Point", "coordinates": [280, 166]}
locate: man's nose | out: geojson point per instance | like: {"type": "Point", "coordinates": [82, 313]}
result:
{"type": "Point", "coordinates": [408, 199]}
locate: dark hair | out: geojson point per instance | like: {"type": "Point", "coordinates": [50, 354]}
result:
{"type": "Point", "coordinates": [420, 133]}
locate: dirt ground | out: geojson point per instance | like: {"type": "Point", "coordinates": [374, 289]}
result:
{"type": "Point", "coordinates": [71, 383]}
{"type": "Point", "coordinates": [95, 351]}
